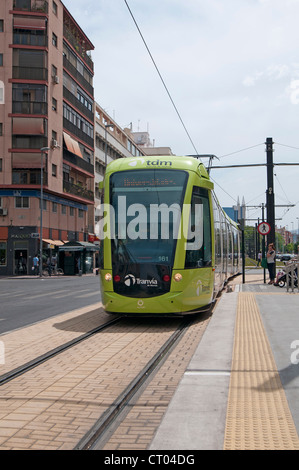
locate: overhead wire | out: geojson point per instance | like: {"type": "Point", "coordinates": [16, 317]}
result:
{"type": "Point", "coordinates": [161, 78]}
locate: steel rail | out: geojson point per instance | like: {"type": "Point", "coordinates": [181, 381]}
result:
{"type": "Point", "coordinates": [13, 374]}
{"type": "Point", "coordinates": [101, 427]}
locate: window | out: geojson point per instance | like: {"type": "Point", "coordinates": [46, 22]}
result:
{"type": "Point", "coordinates": [54, 206]}
{"type": "Point", "coordinates": [54, 104]}
{"type": "Point", "coordinates": [22, 202]}
{"type": "Point", "coordinates": [54, 6]}
{"type": "Point", "coordinates": [54, 39]}
{"type": "Point", "coordinates": [72, 211]}
{"type": "Point", "coordinates": [54, 71]}
{"type": "Point", "coordinates": [1, 60]}
{"type": "Point", "coordinates": [199, 248]}
{"type": "Point", "coordinates": [1, 128]}
{"type": "Point", "coordinates": [1, 26]}
{"type": "Point", "coordinates": [1, 92]}
{"type": "Point", "coordinates": [54, 170]}
{"type": "Point", "coordinates": [1, 161]}
{"type": "Point", "coordinates": [80, 213]}
{"type": "Point", "coordinates": [63, 209]}
{"type": "Point", "coordinates": [3, 253]}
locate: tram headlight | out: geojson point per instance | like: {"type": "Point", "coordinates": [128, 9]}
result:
{"type": "Point", "coordinates": [108, 277]}
{"type": "Point", "coordinates": [177, 277]}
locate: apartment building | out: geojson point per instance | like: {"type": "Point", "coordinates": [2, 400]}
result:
{"type": "Point", "coordinates": [46, 131]}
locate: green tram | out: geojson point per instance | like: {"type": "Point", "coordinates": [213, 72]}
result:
{"type": "Point", "coordinates": [167, 246]}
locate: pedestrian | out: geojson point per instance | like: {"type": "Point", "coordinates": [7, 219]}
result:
{"type": "Point", "coordinates": [271, 262]}
{"type": "Point", "coordinates": [35, 265]}
{"type": "Point", "coordinates": [259, 258]}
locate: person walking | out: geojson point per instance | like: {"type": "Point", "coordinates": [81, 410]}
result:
{"type": "Point", "coordinates": [271, 262]}
{"type": "Point", "coordinates": [259, 258]}
{"type": "Point", "coordinates": [35, 265]}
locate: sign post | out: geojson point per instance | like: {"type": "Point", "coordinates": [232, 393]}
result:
{"type": "Point", "coordinates": [263, 229]}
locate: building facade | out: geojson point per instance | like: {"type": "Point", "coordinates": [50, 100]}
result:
{"type": "Point", "coordinates": [46, 132]}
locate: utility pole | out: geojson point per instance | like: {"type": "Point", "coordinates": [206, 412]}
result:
{"type": "Point", "coordinates": [270, 191]}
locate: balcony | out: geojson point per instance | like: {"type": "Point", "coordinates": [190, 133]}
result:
{"type": "Point", "coordinates": [80, 48]}
{"type": "Point", "coordinates": [30, 73]}
{"type": "Point", "coordinates": [77, 190]}
{"type": "Point", "coordinates": [29, 177]}
{"type": "Point", "coordinates": [77, 132]}
{"type": "Point", "coordinates": [31, 5]}
{"type": "Point", "coordinates": [29, 107]}
{"type": "Point", "coordinates": [77, 104]}
{"type": "Point", "coordinates": [30, 39]}
{"type": "Point", "coordinates": [77, 76]}
{"type": "Point", "coordinates": [28, 142]}
{"type": "Point", "coordinates": [79, 162]}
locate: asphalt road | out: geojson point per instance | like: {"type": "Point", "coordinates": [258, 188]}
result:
{"type": "Point", "coordinates": [26, 301]}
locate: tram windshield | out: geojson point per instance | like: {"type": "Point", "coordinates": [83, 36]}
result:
{"type": "Point", "coordinates": [146, 210]}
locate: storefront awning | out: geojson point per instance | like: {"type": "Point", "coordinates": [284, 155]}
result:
{"type": "Point", "coordinates": [53, 242]}
{"type": "Point", "coordinates": [78, 246]}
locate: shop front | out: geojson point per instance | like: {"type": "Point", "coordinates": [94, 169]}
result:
{"type": "Point", "coordinates": [18, 250]}
{"type": "Point", "coordinates": [76, 258]}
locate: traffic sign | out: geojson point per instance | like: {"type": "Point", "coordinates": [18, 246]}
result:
{"type": "Point", "coordinates": [264, 228]}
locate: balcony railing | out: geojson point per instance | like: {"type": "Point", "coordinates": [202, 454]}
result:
{"type": "Point", "coordinates": [78, 161]}
{"type": "Point", "coordinates": [29, 107]}
{"type": "Point", "coordinates": [78, 190]}
{"type": "Point", "coordinates": [31, 5]}
{"type": "Point", "coordinates": [30, 73]}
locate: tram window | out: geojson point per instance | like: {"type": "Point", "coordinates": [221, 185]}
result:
{"type": "Point", "coordinates": [199, 252]}
{"type": "Point", "coordinates": [147, 206]}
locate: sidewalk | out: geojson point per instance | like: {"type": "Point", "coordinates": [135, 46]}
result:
{"type": "Point", "coordinates": [240, 390]}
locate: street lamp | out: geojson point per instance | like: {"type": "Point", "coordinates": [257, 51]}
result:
{"type": "Point", "coordinates": [43, 150]}
{"type": "Point", "coordinates": [112, 127]}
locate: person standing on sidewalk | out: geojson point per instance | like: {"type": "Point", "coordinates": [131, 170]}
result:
{"type": "Point", "coordinates": [271, 262]}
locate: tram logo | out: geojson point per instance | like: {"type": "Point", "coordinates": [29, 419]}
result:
{"type": "Point", "coordinates": [130, 280]}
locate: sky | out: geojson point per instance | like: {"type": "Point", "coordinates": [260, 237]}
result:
{"type": "Point", "coordinates": [226, 78]}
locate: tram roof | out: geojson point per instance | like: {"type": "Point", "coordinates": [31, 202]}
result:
{"type": "Point", "coordinates": [163, 162]}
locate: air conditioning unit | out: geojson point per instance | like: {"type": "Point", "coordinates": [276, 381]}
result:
{"type": "Point", "coordinates": [3, 211]}
{"type": "Point", "coordinates": [56, 79]}
{"type": "Point", "coordinates": [54, 143]}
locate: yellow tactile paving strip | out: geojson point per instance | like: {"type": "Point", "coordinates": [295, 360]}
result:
{"type": "Point", "coordinates": [258, 415]}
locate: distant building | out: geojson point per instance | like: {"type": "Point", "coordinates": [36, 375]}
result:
{"type": "Point", "coordinates": [236, 212]}
{"type": "Point", "coordinates": [142, 139]}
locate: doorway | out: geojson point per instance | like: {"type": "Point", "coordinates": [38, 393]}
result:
{"type": "Point", "coordinates": [20, 261]}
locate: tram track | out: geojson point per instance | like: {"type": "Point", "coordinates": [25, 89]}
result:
{"type": "Point", "coordinates": [18, 371]}
{"type": "Point", "coordinates": [96, 436]}
{"type": "Point", "coordinates": [77, 399]}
